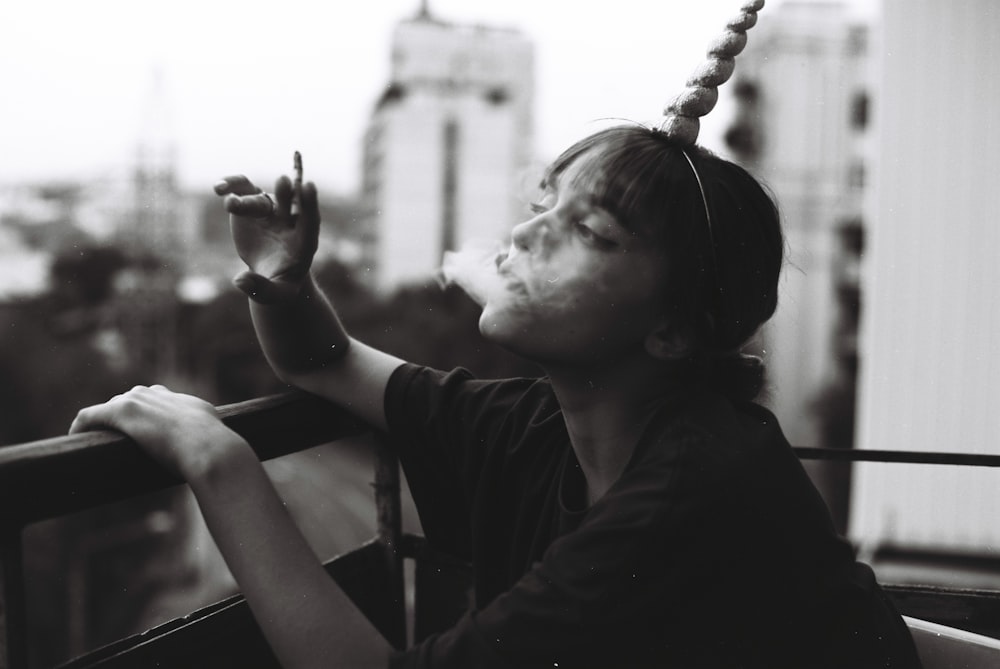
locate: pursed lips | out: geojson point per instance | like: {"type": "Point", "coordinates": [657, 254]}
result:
{"type": "Point", "coordinates": [506, 273]}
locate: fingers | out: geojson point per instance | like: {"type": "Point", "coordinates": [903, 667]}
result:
{"type": "Point", "coordinates": [283, 195]}
{"type": "Point", "coordinates": [265, 291]}
{"type": "Point", "coordinates": [109, 415]}
{"type": "Point", "coordinates": [259, 205]}
{"type": "Point", "coordinates": [243, 198]}
{"type": "Point", "coordinates": [310, 201]}
{"type": "Point", "coordinates": [235, 185]}
{"type": "Point", "coordinates": [87, 420]}
{"type": "Point", "coordinates": [310, 209]}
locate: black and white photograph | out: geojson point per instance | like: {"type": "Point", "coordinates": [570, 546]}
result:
{"type": "Point", "coordinates": [448, 334]}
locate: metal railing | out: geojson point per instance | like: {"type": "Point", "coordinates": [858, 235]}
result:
{"type": "Point", "coordinates": [55, 477]}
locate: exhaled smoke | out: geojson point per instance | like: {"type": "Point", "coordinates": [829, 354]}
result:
{"type": "Point", "coordinates": [473, 269]}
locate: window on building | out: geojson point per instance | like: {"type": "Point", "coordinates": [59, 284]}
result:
{"type": "Point", "coordinates": [856, 175]}
{"type": "Point", "coordinates": [497, 95]}
{"type": "Point", "coordinates": [859, 111]}
{"type": "Point", "coordinates": [746, 91]}
{"type": "Point", "coordinates": [392, 93]}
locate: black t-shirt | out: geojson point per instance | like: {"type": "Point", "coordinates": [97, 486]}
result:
{"type": "Point", "coordinates": [713, 549]}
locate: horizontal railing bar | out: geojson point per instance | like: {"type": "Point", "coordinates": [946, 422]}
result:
{"type": "Point", "coordinates": [56, 476]}
{"type": "Point", "coordinates": [976, 611]}
{"type": "Point", "coordinates": [915, 457]}
{"type": "Point", "coordinates": [61, 475]}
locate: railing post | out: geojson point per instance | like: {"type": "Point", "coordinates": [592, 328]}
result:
{"type": "Point", "coordinates": [390, 533]}
{"type": "Point", "coordinates": [13, 609]}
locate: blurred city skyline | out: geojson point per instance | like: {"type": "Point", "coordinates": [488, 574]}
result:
{"type": "Point", "coordinates": [80, 79]}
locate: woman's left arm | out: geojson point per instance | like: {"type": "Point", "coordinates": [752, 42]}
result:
{"type": "Point", "coordinates": [308, 620]}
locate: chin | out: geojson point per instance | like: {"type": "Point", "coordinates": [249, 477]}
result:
{"type": "Point", "coordinates": [496, 326]}
{"type": "Point", "coordinates": [491, 325]}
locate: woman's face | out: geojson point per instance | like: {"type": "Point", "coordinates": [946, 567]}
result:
{"type": "Point", "coordinates": [576, 286]}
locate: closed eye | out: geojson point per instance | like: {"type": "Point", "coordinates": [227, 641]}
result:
{"type": "Point", "coordinates": [588, 235]}
{"type": "Point", "coordinates": [537, 208]}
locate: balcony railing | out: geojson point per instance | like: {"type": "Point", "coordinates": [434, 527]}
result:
{"type": "Point", "coordinates": [56, 477]}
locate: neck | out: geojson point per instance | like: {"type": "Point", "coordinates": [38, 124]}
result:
{"type": "Point", "coordinates": [606, 408]}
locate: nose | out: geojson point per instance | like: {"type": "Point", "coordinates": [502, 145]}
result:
{"type": "Point", "coordinates": [530, 234]}
{"type": "Point", "coordinates": [519, 236]}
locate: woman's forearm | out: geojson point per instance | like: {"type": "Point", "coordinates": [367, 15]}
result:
{"type": "Point", "coordinates": [304, 614]}
{"type": "Point", "coordinates": [307, 347]}
{"type": "Point", "coordinates": [301, 335]}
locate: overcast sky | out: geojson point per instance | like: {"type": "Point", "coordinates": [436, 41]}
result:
{"type": "Point", "coordinates": [246, 83]}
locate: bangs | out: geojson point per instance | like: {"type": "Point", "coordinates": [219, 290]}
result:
{"type": "Point", "coordinates": [634, 173]}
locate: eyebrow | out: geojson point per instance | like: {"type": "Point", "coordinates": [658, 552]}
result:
{"type": "Point", "coordinates": [547, 184]}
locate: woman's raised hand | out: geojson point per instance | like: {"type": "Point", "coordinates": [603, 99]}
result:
{"type": "Point", "coordinates": [274, 236]}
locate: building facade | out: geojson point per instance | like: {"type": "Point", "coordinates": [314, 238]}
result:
{"type": "Point", "coordinates": [447, 143]}
{"type": "Point", "coordinates": [801, 91]}
{"type": "Point", "coordinates": [879, 141]}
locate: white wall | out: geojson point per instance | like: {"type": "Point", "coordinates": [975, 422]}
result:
{"type": "Point", "coordinates": [930, 376]}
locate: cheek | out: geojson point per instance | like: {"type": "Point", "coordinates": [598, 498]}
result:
{"type": "Point", "coordinates": [630, 304]}
{"type": "Point", "coordinates": [513, 316]}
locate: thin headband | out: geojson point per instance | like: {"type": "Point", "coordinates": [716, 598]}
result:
{"type": "Point", "coordinates": [704, 201]}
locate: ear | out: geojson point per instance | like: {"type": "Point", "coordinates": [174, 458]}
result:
{"type": "Point", "coordinates": [668, 342]}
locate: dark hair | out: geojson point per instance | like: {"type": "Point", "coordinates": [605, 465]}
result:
{"type": "Point", "coordinates": [722, 279]}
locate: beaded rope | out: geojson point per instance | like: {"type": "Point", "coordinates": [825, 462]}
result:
{"type": "Point", "coordinates": [681, 114]}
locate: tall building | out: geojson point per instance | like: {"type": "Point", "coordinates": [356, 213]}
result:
{"type": "Point", "coordinates": [446, 145]}
{"type": "Point", "coordinates": [930, 367]}
{"type": "Point", "coordinates": [801, 89]}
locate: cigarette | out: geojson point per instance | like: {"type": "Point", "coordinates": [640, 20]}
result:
{"type": "Point", "coordinates": [297, 184]}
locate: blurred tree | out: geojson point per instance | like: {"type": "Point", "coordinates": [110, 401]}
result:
{"type": "Point", "coordinates": [84, 276]}
{"type": "Point", "coordinates": [219, 352]}
{"type": "Point", "coordinates": [50, 367]}
{"type": "Point", "coordinates": [46, 375]}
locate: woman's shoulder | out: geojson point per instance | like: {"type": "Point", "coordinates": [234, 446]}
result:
{"type": "Point", "coordinates": [706, 427]}
{"type": "Point", "coordinates": [411, 377]}
{"type": "Point", "coordinates": [710, 454]}
{"type": "Point", "coordinates": [459, 393]}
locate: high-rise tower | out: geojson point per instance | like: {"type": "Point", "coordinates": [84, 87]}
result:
{"type": "Point", "coordinates": [447, 143]}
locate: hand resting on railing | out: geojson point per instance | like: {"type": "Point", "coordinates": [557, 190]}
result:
{"type": "Point", "coordinates": [280, 576]}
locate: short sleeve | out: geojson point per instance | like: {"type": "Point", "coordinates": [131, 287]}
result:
{"type": "Point", "coordinates": [443, 426]}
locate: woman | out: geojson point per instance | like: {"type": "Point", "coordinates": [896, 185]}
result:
{"type": "Point", "coordinates": [632, 508]}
